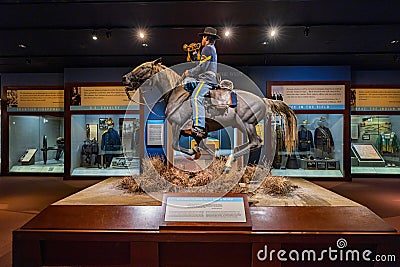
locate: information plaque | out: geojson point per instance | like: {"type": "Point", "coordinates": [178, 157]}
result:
{"type": "Point", "coordinates": [205, 211]}
{"type": "Point", "coordinates": [366, 152]}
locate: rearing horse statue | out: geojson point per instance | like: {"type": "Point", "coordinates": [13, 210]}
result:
{"type": "Point", "coordinates": [245, 116]}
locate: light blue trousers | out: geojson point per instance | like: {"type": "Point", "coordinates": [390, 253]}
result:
{"type": "Point", "coordinates": [197, 104]}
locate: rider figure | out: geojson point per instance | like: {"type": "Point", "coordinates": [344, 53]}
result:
{"type": "Point", "coordinates": [206, 72]}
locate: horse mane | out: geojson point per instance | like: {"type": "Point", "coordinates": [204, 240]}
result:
{"type": "Point", "coordinates": [171, 83]}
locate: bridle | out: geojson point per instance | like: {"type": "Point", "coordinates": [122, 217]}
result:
{"type": "Point", "coordinates": [138, 83]}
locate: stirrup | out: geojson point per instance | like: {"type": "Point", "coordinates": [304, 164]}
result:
{"type": "Point", "coordinates": [199, 132]}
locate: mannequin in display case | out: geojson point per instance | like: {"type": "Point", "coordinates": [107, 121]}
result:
{"type": "Point", "coordinates": [388, 142]}
{"type": "Point", "coordinates": [110, 143]}
{"type": "Point", "coordinates": [323, 141]}
{"type": "Point", "coordinates": [388, 145]}
{"type": "Point", "coordinates": [306, 142]}
{"type": "Point", "coordinates": [90, 150]}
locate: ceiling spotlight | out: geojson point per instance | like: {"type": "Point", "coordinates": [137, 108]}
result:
{"type": "Point", "coordinates": [227, 33]}
{"type": "Point", "coordinates": [307, 31]}
{"type": "Point", "coordinates": [273, 32]}
{"type": "Point", "coordinates": [94, 35]}
{"type": "Point", "coordinates": [22, 46]}
{"type": "Point", "coordinates": [394, 41]}
{"type": "Point", "coordinates": [145, 45]}
{"type": "Point", "coordinates": [141, 35]}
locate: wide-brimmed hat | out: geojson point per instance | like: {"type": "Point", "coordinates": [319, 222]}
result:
{"type": "Point", "coordinates": [210, 31]}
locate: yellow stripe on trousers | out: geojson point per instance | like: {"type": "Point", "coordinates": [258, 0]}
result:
{"type": "Point", "coordinates": [195, 103]}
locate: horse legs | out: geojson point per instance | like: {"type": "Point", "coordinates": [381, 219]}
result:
{"type": "Point", "coordinates": [175, 142]}
{"type": "Point", "coordinates": [202, 145]}
{"type": "Point", "coordinates": [254, 143]}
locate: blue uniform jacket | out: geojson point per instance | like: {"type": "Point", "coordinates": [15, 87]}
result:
{"type": "Point", "coordinates": [206, 70]}
{"type": "Point", "coordinates": [110, 140]}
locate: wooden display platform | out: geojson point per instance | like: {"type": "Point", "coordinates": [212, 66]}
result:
{"type": "Point", "coordinates": [101, 235]}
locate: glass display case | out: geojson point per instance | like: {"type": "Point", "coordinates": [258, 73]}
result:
{"type": "Point", "coordinates": [36, 144]}
{"type": "Point", "coordinates": [105, 144]}
{"type": "Point", "coordinates": [375, 144]}
{"type": "Point", "coordinates": [319, 151]}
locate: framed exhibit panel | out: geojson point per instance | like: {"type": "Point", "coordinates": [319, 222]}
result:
{"type": "Point", "coordinates": [36, 144]}
{"type": "Point", "coordinates": [105, 131]}
{"type": "Point", "coordinates": [375, 148]}
{"type": "Point", "coordinates": [322, 121]}
{"type": "Point", "coordinates": [375, 126]}
{"type": "Point", "coordinates": [35, 133]}
{"type": "Point", "coordinates": [114, 151]}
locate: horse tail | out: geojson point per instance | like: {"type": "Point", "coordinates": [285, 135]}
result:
{"type": "Point", "coordinates": [281, 108]}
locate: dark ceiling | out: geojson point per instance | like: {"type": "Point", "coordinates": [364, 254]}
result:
{"type": "Point", "coordinates": [57, 34]}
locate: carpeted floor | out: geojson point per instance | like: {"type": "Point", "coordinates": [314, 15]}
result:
{"type": "Point", "coordinates": [381, 195]}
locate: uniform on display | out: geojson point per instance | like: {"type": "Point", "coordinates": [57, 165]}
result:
{"type": "Point", "coordinates": [306, 142]}
{"type": "Point", "coordinates": [90, 152]}
{"type": "Point", "coordinates": [323, 140]}
{"type": "Point", "coordinates": [110, 143]}
{"type": "Point", "coordinates": [388, 142]}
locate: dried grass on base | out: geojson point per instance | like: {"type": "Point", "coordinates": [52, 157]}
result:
{"type": "Point", "coordinates": [172, 179]}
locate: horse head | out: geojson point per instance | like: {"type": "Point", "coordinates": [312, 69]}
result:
{"type": "Point", "coordinates": [139, 75]}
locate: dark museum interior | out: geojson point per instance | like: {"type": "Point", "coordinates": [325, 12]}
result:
{"type": "Point", "coordinates": [75, 138]}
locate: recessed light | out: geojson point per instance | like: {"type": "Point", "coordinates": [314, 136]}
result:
{"type": "Point", "coordinates": [94, 35]}
{"type": "Point", "coordinates": [23, 46]}
{"type": "Point", "coordinates": [394, 41]}
{"type": "Point", "coordinates": [145, 45]}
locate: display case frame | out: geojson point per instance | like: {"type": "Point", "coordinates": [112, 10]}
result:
{"type": "Point", "coordinates": [382, 102]}
{"type": "Point", "coordinates": [111, 110]}
{"type": "Point", "coordinates": [13, 109]}
{"type": "Point", "coordinates": [341, 107]}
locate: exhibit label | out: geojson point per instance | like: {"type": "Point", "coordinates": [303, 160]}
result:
{"type": "Point", "coordinates": [205, 209]}
{"type": "Point", "coordinates": [311, 97]}
{"type": "Point", "coordinates": [155, 133]}
{"type": "Point", "coordinates": [35, 100]}
{"type": "Point", "coordinates": [376, 99]}
{"type": "Point", "coordinates": [101, 98]}
{"type": "Point", "coordinates": [366, 152]}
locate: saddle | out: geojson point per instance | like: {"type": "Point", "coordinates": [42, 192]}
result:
{"type": "Point", "coordinates": [220, 97]}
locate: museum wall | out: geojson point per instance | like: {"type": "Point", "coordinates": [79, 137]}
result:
{"type": "Point", "coordinates": [28, 79]}
{"type": "Point", "coordinates": [260, 75]}
{"type": "Point", "coordinates": [376, 77]}
{"type": "Point", "coordinates": [94, 74]}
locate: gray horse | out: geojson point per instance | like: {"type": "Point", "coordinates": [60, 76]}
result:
{"type": "Point", "coordinates": [249, 111]}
